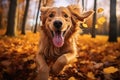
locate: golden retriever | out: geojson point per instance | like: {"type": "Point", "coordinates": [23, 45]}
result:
{"type": "Point", "coordinates": [58, 35]}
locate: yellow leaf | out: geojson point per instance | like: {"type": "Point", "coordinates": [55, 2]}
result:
{"type": "Point", "coordinates": [32, 66]}
{"type": "Point", "coordinates": [110, 70]}
{"type": "Point", "coordinates": [84, 47]}
{"type": "Point", "coordinates": [100, 10]}
{"type": "Point", "coordinates": [91, 75]}
{"type": "Point", "coordinates": [19, 50]}
{"type": "Point", "coordinates": [101, 20]}
{"type": "Point", "coordinates": [72, 78]}
{"type": "Point", "coordinates": [12, 45]}
{"type": "Point", "coordinates": [85, 25]}
{"type": "Point", "coordinates": [30, 57]}
{"type": "Point", "coordinates": [96, 26]}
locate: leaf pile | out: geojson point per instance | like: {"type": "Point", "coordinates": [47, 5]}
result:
{"type": "Point", "coordinates": [97, 59]}
{"type": "Point", "coordinates": [17, 57]}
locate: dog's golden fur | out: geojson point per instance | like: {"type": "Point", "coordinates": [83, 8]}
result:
{"type": "Point", "coordinates": [51, 52]}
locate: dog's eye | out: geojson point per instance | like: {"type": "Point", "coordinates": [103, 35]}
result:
{"type": "Point", "coordinates": [51, 15]}
{"type": "Point", "coordinates": [65, 15]}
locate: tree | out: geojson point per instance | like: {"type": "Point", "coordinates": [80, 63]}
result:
{"type": "Point", "coordinates": [25, 17]}
{"type": "Point", "coordinates": [93, 32]}
{"type": "Point", "coordinates": [119, 26]}
{"type": "Point", "coordinates": [37, 16]}
{"type": "Point", "coordinates": [0, 13]}
{"type": "Point", "coordinates": [113, 22]}
{"type": "Point", "coordinates": [11, 19]}
{"type": "Point", "coordinates": [84, 5]}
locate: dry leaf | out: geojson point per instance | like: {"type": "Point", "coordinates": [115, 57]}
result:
{"type": "Point", "coordinates": [109, 58]}
{"type": "Point", "coordinates": [98, 65]}
{"type": "Point", "coordinates": [110, 70]}
{"type": "Point", "coordinates": [18, 54]}
{"type": "Point", "coordinates": [84, 25]}
{"type": "Point", "coordinates": [100, 10]}
{"type": "Point", "coordinates": [32, 66]}
{"type": "Point", "coordinates": [72, 78]}
{"type": "Point", "coordinates": [91, 75]}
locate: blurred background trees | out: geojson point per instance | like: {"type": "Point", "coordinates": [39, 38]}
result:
{"type": "Point", "coordinates": [0, 13]}
{"type": "Point", "coordinates": [113, 22]}
{"type": "Point", "coordinates": [11, 27]}
{"type": "Point", "coordinates": [25, 17]}
{"type": "Point", "coordinates": [21, 19]}
{"type": "Point", "coordinates": [93, 31]}
{"type": "Point", "coordinates": [35, 29]}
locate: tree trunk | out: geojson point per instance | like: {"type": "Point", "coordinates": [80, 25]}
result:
{"type": "Point", "coordinates": [1, 14]}
{"type": "Point", "coordinates": [93, 31]}
{"type": "Point", "coordinates": [118, 26]}
{"type": "Point", "coordinates": [113, 22]}
{"type": "Point", "coordinates": [11, 18]}
{"type": "Point", "coordinates": [25, 17]}
{"type": "Point", "coordinates": [34, 16]}
{"type": "Point", "coordinates": [37, 16]}
{"type": "Point", "coordinates": [0, 19]}
{"type": "Point", "coordinates": [83, 6]}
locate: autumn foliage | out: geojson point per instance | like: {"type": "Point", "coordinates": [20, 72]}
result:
{"type": "Point", "coordinates": [97, 59]}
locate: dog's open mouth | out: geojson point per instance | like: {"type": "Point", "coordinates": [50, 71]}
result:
{"type": "Point", "coordinates": [58, 38]}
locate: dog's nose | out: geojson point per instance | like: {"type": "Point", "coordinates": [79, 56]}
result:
{"type": "Point", "coordinates": [57, 24]}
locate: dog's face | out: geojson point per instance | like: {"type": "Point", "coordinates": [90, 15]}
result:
{"type": "Point", "coordinates": [59, 21]}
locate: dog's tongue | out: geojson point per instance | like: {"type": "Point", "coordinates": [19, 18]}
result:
{"type": "Point", "coordinates": [58, 39]}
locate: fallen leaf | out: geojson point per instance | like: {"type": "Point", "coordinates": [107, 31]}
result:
{"type": "Point", "coordinates": [6, 63]}
{"type": "Point", "coordinates": [98, 65]}
{"type": "Point", "coordinates": [109, 58]}
{"type": "Point", "coordinates": [110, 70]}
{"type": "Point", "coordinates": [32, 66]}
{"type": "Point", "coordinates": [72, 78]}
{"type": "Point", "coordinates": [91, 75]}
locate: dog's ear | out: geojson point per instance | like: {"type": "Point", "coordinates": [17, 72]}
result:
{"type": "Point", "coordinates": [43, 13]}
{"type": "Point", "coordinates": [78, 15]}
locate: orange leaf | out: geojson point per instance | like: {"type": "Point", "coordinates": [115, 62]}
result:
{"type": "Point", "coordinates": [91, 75]}
{"type": "Point", "coordinates": [72, 78]}
{"type": "Point", "coordinates": [100, 10]}
{"type": "Point", "coordinates": [110, 70]}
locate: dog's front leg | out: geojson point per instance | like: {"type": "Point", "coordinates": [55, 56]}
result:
{"type": "Point", "coordinates": [62, 61]}
{"type": "Point", "coordinates": [42, 68]}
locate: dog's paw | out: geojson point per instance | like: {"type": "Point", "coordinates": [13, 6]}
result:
{"type": "Point", "coordinates": [43, 68]}
{"type": "Point", "coordinates": [59, 64]}
{"type": "Point", "coordinates": [42, 72]}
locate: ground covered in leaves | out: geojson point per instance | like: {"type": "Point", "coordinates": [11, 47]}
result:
{"type": "Point", "coordinates": [97, 59]}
